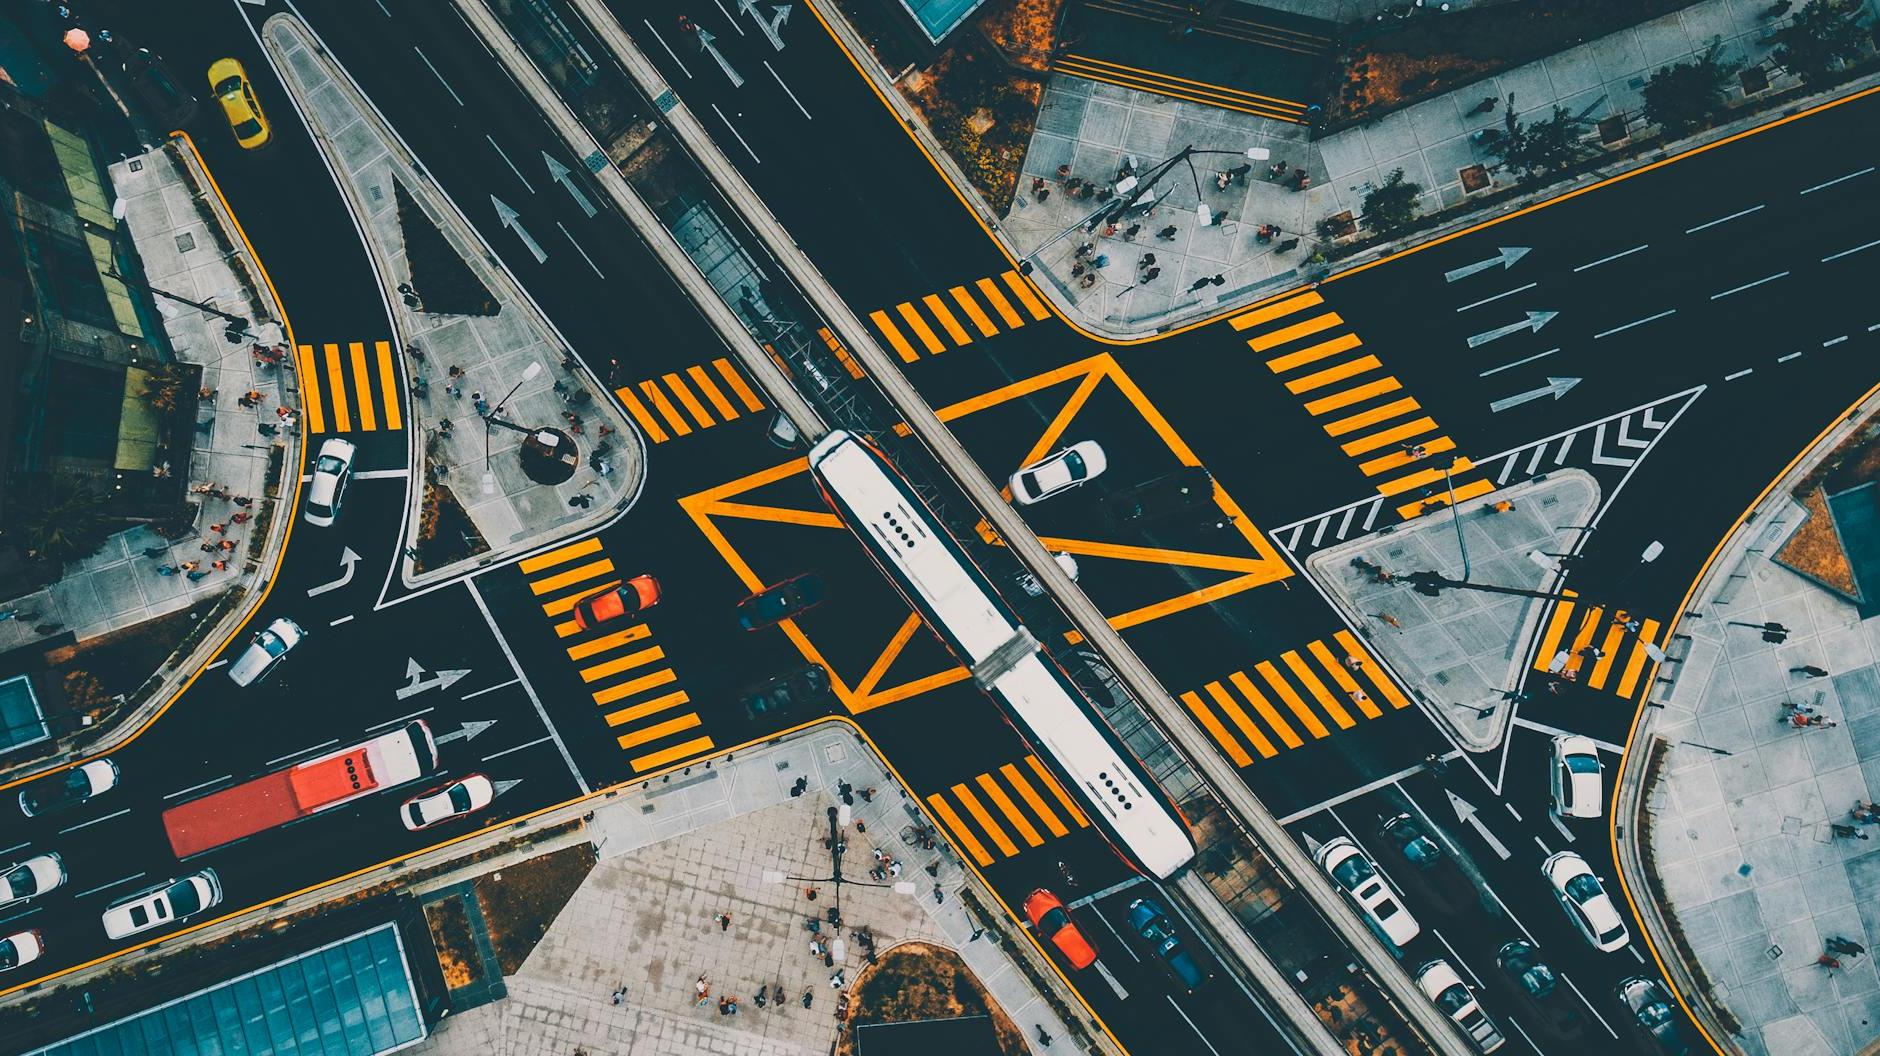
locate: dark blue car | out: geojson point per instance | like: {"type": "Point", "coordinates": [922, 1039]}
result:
{"type": "Point", "coordinates": [1147, 919]}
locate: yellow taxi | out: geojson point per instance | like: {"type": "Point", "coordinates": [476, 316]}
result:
{"type": "Point", "coordinates": [230, 83]}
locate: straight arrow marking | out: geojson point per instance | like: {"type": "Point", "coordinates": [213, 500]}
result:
{"type": "Point", "coordinates": [513, 220]}
{"type": "Point", "coordinates": [1555, 387]}
{"type": "Point", "coordinates": [1506, 258]}
{"type": "Point", "coordinates": [1465, 813]}
{"type": "Point", "coordinates": [563, 175]}
{"type": "Point", "coordinates": [1533, 323]}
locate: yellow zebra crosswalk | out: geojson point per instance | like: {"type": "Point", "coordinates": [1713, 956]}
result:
{"type": "Point", "coordinates": [621, 667]}
{"type": "Point", "coordinates": [1361, 406]}
{"type": "Point", "coordinates": [936, 323]}
{"type": "Point", "coordinates": [349, 388]}
{"type": "Point", "coordinates": [1280, 705]}
{"type": "Point", "coordinates": [1017, 803]}
{"type": "Point", "coordinates": [675, 404]}
{"type": "Point", "coordinates": [1585, 645]}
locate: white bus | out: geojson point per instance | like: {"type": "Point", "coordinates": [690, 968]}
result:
{"type": "Point", "coordinates": [958, 602]}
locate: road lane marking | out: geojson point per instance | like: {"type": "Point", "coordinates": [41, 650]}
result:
{"type": "Point", "coordinates": [348, 618]}
{"type": "Point", "coordinates": [964, 836]}
{"type": "Point", "coordinates": [1722, 220]}
{"type": "Point", "coordinates": [577, 248]}
{"type": "Point", "coordinates": [1837, 179]}
{"type": "Point", "coordinates": [28, 843]}
{"type": "Point", "coordinates": [404, 719]}
{"type": "Point", "coordinates": [114, 883]}
{"type": "Point", "coordinates": [1545, 850]}
{"type": "Point", "coordinates": [734, 22]}
{"type": "Point", "coordinates": [1831, 342]}
{"type": "Point", "coordinates": [440, 77]}
{"type": "Point", "coordinates": [1748, 285]}
{"type": "Point", "coordinates": [1120, 943]}
{"type": "Point", "coordinates": [668, 47]}
{"type": "Point", "coordinates": [1516, 363]}
{"type": "Point", "coordinates": [1498, 297]}
{"type": "Point", "coordinates": [556, 556]}
{"type": "Point", "coordinates": [95, 821]}
{"type": "Point", "coordinates": [1615, 256]}
{"type": "Point", "coordinates": [1351, 794]}
{"type": "Point", "coordinates": [192, 788]}
{"type": "Point", "coordinates": [1561, 825]}
{"type": "Point", "coordinates": [368, 415]}
{"type": "Point", "coordinates": [1313, 353]}
{"type": "Point", "coordinates": [672, 754]}
{"type": "Point", "coordinates": [1034, 800]}
{"type": "Point", "coordinates": [374, 474]}
{"type": "Point", "coordinates": [503, 644]}
{"type": "Point", "coordinates": [734, 131]}
{"type": "Point", "coordinates": [1191, 1024]}
{"type": "Point", "coordinates": [489, 689]}
{"type": "Point", "coordinates": [1849, 252]}
{"type": "Point", "coordinates": [303, 751]}
{"type": "Point", "coordinates": [1746, 371]}
{"type": "Point", "coordinates": [1639, 322]}
{"type": "Point", "coordinates": [1589, 1007]}
{"type": "Point", "coordinates": [787, 91]}
{"type": "Point", "coordinates": [517, 748]}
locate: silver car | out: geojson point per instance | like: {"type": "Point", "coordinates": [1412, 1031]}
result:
{"type": "Point", "coordinates": [332, 470]}
{"type": "Point", "coordinates": [166, 903]}
{"type": "Point", "coordinates": [268, 648]}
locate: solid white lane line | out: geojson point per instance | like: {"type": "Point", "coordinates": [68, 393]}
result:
{"type": "Point", "coordinates": [15, 847]}
{"type": "Point", "coordinates": [1748, 285]}
{"type": "Point", "coordinates": [95, 821]}
{"type": "Point", "coordinates": [1640, 322]}
{"type": "Point", "coordinates": [567, 758]}
{"type": "Point", "coordinates": [788, 92]}
{"type": "Point", "coordinates": [1838, 179]}
{"type": "Point", "coordinates": [1785, 359]}
{"type": "Point", "coordinates": [373, 474]}
{"type": "Point", "coordinates": [1615, 256]}
{"type": "Point", "coordinates": [192, 788]}
{"type": "Point", "coordinates": [490, 689]}
{"type": "Point", "coordinates": [734, 131]}
{"type": "Point", "coordinates": [114, 883]}
{"type": "Point", "coordinates": [517, 748]}
{"type": "Point", "coordinates": [1589, 1006]}
{"type": "Point", "coordinates": [382, 7]}
{"type": "Point", "coordinates": [303, 751]}
{"type": "Point", "coordinates": [1510, 808]}
{"type": "Point", "coordinates": [1497, 297]}
{"type": "Point", "coordinates": [1722, 220]}
{"type": "Point", "coordinates": [439, 76]}
{"type": "Point", "coordinates": [578, 249]}
{"type": "Point", "coordinates": [1745, 372]}
{"type": "Point", "coordinates": [1849, 252]}
{"type": "Point", "coordinates": [512, 165]}
{"type": "Point", "coordinates": [1555, 731]}
{"type": "Point", "coordinates": [1561, 825]}
{"type": "Point", "coordinates": [1344, 797]}
{"type": "Point", "coordinates": [728, 18]}
{"type": "Point", "coordinates": [400, 721]}
{"type": "Point", "coordinates": [1516, 363]}
{"type": "Point", "coordinates": [1124, 946]}
{"type": "Point", "coordinates": [1191, 1025]}
{"type": "Point", "coordinates": [668, 47]}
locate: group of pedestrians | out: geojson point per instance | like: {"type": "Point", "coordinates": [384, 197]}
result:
{"type": "Point", "coordinates": [217, 547]}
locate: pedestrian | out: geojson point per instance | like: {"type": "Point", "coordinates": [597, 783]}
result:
{"type": "Point", "coordinates": [166, 570]}
{"type": "Point", "coordinates": [1827, 961]}
{"type": "Point", "coordinates": [1130, 232]}
{"type": "Point", "coordinates": [1084, 249]}
{"type": "Point", "coordinates": [242, 500]}
{"type": "Point", "coordinates": [1087, 192]}
{"type": "Point", "coordinates": [839, 979]}
{"type": "Point", "coordinates": [1354, 663]}
{"type": "Point", "coordinates": [1150, 276]}
{"type": "Point", "coordinates": [219, 565]}
{"type": "Point", "coordinates": [241, 518]}
{"type": "Point", "coordinates": [1037, 184]}
{"type": "Point", "coordinates": [1042, 194]}
{"type": "Point", "coordinates": [723, 1002]}
{"type": "Point", "coordinates": [1167, 234]}
{"type": "Point", "coordinates": [412, 350]}
{"type": "Point", "coordinates": [1276, 170]}
{"type": "Point", "coordinates": [194, 576]}
{"type": "Point", "coordinates": [1810, 670]}
{"type": "Point", "coordinates": [1359, 698]}
{"type": "Point", "coordinates": [1389, 619]}
{"type": "Point", "coordinates": [482, 405]}
{"type": "Point", "coordinates": [219, 528]}
{"type": "Point", "coordinates": [1239, 172]}
{"type": "Point", "coordinates": [1109, 230]}
{"type": "Point", "coordinates": [809, 996]}
{"type": "Point", "coordinates": [581, 501]}
{"type": "Point", "coordinates": [1287, 246]}
{"type": "Point", "coordinates": [268, 430]}
{"type": "Point", "coordinates": [1044, 1036]}
{"type": "Point", "coordinates": [763, 996]}
{"type": "Point", "coordinates": [724, 921]}
{"type": "Point", "coordinates": [867, 794]}
{"type": "Point", "coordinates": [1063, 172]}
{"type": "Point", "coordinates": [1198, 285]}
{"type": "Point", "coordinates": [701, 990]}
{"type": "Point", "coordinates": [156, 551]}
{"type": "Point", "coordinates": [226, 544]}
{"type": "Point", "coordinates": [1501, 506]}
{"type": "Point", "coordinates": [189, 566]}
{"type": "Point", "coordinates": [620, 994]}
{"type": "Point", "coordinates": [1088, 281]}
{"type": "Point", "coordinates": [206, 547]}
{"type": "Point", "coordinates": [1078, 269]}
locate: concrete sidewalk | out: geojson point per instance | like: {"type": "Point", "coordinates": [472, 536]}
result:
{"type": "Point", "coordinates": [715, 839]}
{"type": "Point", "coordinates": [511, 512]}
{"type": "Point", "coordinates": [1091, 127]}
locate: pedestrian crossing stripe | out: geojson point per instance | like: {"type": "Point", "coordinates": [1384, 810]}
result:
{"type": "Point", "coordinates": [675, 404]}
{"type": "Point", "coordinates": [929, 323]}
{"type": "Point", "coordinates": [1004, 808]}
{"type": "Point", "coordinates": [1332, 678]}
{"type": "Point", "coordinates": [623, 669]}
{"type": "Point", "coordinates": [841, 352]}
{"type": "Point", "coordinates": [344, 390]}
{"type": "Point", "coordinates": [1365, 410]}
{"type": "Point", "coordinates": [1594, 628]}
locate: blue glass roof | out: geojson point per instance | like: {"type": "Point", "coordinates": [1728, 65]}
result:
{"type": "Point", "coordinates": [350, 998]}
{"type": "Point", "coordinates": [939, 17]}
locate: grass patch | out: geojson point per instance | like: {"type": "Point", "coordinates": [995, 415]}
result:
{"type": "Point", "coordinates": [916, 981]}
{"type": "Point", "coordinates": [456, 947]}
{"type": "Point", "coordinates": [1424, 57]}
{"type": "Point", "coordinates": [121, 661]}
{"type": "Point", "coordinates": [445, 284]}
{"type": "Point", "coordinates": [521, 901]}
{"type": "Point", "coordinates": [1815, 549]}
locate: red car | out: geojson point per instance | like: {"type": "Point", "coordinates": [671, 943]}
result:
{"type": "Point", "coordinates": [635, 595]}
{"type": "Point", "coordinates": [1048, 915]}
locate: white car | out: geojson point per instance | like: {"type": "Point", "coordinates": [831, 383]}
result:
{"type": "Point", "coordinates": [466, 795]}
{"type": "Point", "coordinates": [1585, 900]}
{"type": "Point", "coordinates": [332, 469]}
{"type": "Point", "coordinates": [166, 903]}
{"type": "Point", "coordinates": [1077, 464]}
{"type": "Point", "coordinates": [20, 948]}
{"type": "Point", "coordinates": [1452, 996]}
{"type": "Point", "coordinates": [1578, 790]}
{"type": "Point", "coordinates": [266, 650]}
{"type": "Point", "coordinates": [34, 876]}
{"type": "Point", "coordinates": [1350, 869]}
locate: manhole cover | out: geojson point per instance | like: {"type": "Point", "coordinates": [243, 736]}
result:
{"type": "Point", "coordinates": [185, 242]}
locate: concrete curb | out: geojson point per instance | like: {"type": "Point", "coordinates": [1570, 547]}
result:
{"type": "Point", "coordinates": [509, 293]}
{"type": "Point", "coordinates": [1629, 800]}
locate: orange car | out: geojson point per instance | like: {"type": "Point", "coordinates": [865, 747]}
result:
{"type": "Point", "coordinates": [635, 595]}
{"type": "Point", "coordinates": [1048, 915]}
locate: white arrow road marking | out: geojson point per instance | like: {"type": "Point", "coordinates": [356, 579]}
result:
{"type": "Point", "coordinates": [416, 683]}
{"type": "Point", "coordinates": [467, 731]}
{"type": "Point", "coordinates": [1499, 296]}
{"type": "Point", "coordinates": [705, 41]}
{"type": "Point", "coordinates": [1505, 258]}
{"type": "Point", "coordinates": [1465, 813]}
{"type": "Point", "coordinates": [513, 220]}
{"type": "Point", "coordinates": [1533, 324]}
{"type": "Point", "coordinates": [347, 561]}
{"type": "Point", "coordinates": [1555, 387]}
{"type": "Point", "coordinates": [562, 174]}
{"type": "Point", "coordinates": [504, 786]}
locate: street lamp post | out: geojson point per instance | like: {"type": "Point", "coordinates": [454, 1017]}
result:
{"type": "Point", "coordinates": [1132, 189]}
{"type": "Point", "coordinates": [837, 845]}
{"type": "Point", "coordinates": [1455, 515]}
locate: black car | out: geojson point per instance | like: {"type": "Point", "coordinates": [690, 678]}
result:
{"type": "Point", "coordinates": [807, 685]}
{"type": "Point", "coordinates": [68, 788]}
{"type": "Point", "coordinates": [1522, 963]}
{"type": "Point", "coordinates": [1646, 1000]}
{"type": "Point", "coordinates": [1187, 491]}
{"type": "Point", "coordinates": [1406, 835]}
{"type": "Point", "coordinates": [158, 90]}
{"type": "Point", "coordinates": [792, 597]}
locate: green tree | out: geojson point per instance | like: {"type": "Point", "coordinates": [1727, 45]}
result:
{"type": "Point", "coordinates": [1820, 35]}
{"type": "Point", "coordinates": [1392, 205]}
{"type": "Point", "coordinates": [61, 519]}
{"type": "Point", "coordinates": [1535, 150]}
{"type": "Point", "coordinates": [1688, 95]}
